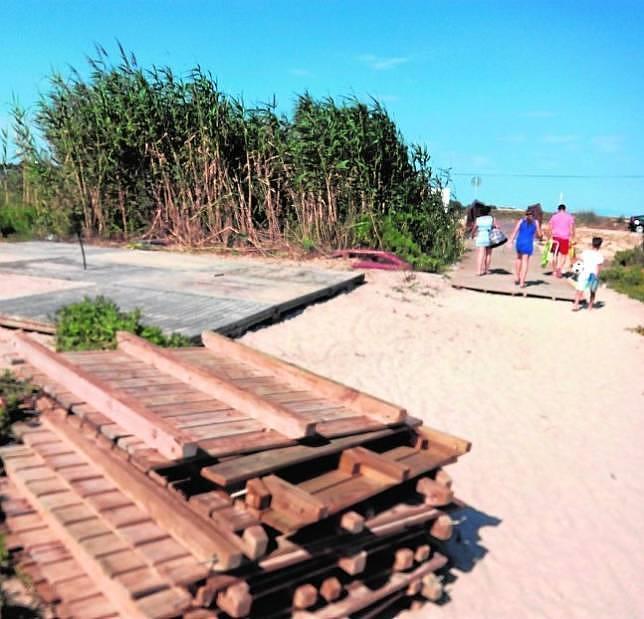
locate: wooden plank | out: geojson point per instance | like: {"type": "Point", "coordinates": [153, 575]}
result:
{"type": "Point", "coordinates": [351, 398]}
{"type": "Point", "coordinates": [120, 407]}
{"type": "Point", "coordinates": [242, 469]}
{"type": "Point", "coordinates": [273, 415]}
{"type": "Point", "coordinates": [195, 533]}
{"type": "Point", "coordinates": [253, 441]}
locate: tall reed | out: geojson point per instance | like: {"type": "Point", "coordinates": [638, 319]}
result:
{"type": "Point", "coordinates": [131, 151]}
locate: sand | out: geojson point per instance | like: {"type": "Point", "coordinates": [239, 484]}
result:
{"type": "Point", "coordinates": [553, 403]}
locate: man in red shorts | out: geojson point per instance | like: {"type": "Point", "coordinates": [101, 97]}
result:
{"type": "Point", "coordinates": [562, 231]}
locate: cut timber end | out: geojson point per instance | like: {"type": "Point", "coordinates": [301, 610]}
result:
{"type": "Point", "coordinates": [403, 560]}
{"type": "Point", "coordinates": [352, 522]}
{"type": "Point", "coordinates": [331, 589]}
{"type": "Point", "coordinates": [305, 596]}
{"type": "Point", "coordinates": [442, 528]}
{"type": "Point", "coordinates": [352, 399]}
{"type": "Point", "coordinates": [258, 496]}
{"type": "Point", "coordinates": [118, 406]}
{"type": "Point", "coordinates": [422, 553]}
{"type": "Point", "coordinates": [236, 600]}
{"type": "Point", "coordinates": [353, 565]}
{"type": "Point", "coordinates": [255, 541]}
{"type": "Point", "coordinates": [432, 587]}
{"type": "Point", "coordinates": [273, 415]}
{"type": "Point", "coordinates": [443, 478]}
{"type": "Point", "coordinates": [435, 494]}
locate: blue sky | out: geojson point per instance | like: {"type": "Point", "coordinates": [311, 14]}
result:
{"type": "Point", "coordinates": [536, 98]}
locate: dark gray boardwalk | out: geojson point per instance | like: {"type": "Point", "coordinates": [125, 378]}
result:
{"type": "Point", "coordinates": [186, 293]}
{"type": "Point", "coordinates": [539, 283]}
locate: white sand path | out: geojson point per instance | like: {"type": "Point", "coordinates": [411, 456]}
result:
{"type": "Point", "coordinates": [553, 403]}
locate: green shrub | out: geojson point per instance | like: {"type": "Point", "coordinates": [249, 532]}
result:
{"type": "Point", "coordinates": [13, 394]}
{"type": "Point", "coordinates": [630, 257]}
{"type": "Point", "coordinates": [92, 324]}
{"type": "Point", "coordinates": [627, 280]}
{"type": "Point", "coordinates": [17, 219]}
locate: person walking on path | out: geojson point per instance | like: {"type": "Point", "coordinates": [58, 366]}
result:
{"type": "Point", "coordinates": [592, 260]}
{"type": "Point", "coordinates": [524, 232]}
{"type": "Point", "coordinates": [562, 231]}
{"type": "Point", "coordinates": [481, 233]}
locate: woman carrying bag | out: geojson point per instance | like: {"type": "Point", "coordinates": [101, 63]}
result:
{"type": "Point", "coordinates": [483, 226]}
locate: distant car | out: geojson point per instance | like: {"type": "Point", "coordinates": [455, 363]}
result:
{"type": "Point", "coordinates": [636, 223]}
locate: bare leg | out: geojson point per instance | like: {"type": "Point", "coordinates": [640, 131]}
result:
{"type": "Point", "coordinates": [480, 262]}
{"type": "Point", "coordinates": [517, 269]}
{"type": "Point", "coordinates": [525, 260]}
{"type": "Point", "coordinates": [592, 300]}
{"type": "Point", "coordinates": [578, 296]}
{"type": "Point", "coordinates": [488, 259]}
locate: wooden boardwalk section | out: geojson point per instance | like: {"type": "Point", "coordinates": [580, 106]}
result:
{"type": "Point", "coordinates": [186, 293]}
{"type": "Point", "coordinates": [217, 482]}
{"type": "Point", "coordinates": [539, 283]}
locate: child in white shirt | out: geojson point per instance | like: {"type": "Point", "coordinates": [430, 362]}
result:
{"type": "Point", "coordinates": [589, 277]}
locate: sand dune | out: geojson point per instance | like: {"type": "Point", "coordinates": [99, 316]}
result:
{"type": "Point", "coordinates": [554, 404]}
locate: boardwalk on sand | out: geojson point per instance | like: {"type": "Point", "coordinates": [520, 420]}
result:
{"type": "Point", "coordinates": [177, 292]}
{"type": "Point", "coordinates": [539, 283]}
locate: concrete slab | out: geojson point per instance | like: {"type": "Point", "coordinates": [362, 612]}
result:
{"type": "Point", "coordinates": [179, 292]}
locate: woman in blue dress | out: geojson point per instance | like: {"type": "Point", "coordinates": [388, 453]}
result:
{"type": "Point", "coordinates": [524, 232]}
{"type": "Point", "coordinates": [481, 233]}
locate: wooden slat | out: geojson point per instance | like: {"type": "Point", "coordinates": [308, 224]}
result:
{"type": "Point", "coordinates": [272, 415]}
{"type": "Point", "coordinates": [351, 398]}
{"type": "Point", "coordinates": [120, 407]}
{"type": "Point", "coordinates": [244, 443]}
{"type": "Point", "coordinates": [118, 594]}
{"type": "Point", "coordinates": [241, 469]}
{"type": "Point", "coordinates": [195, 533]}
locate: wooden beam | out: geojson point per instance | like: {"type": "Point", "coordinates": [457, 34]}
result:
{"type": "Point", "coordinates": [197, 534]}
{"type": "Point", "coordinates": [294, 501]}
{"type": "Point", "coordinates": [428, 437]}
{"type": "Point", "coordinates": [115, 404]}
{"type": "Point", "coordinates": [208, 381]}
{"type": "Point", "coordinates": [352, 399]}
{"type": "Point", "coordinates": [372, 464]}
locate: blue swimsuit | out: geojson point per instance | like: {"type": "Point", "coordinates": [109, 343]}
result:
{"type": "Point", "coordinates": [525, 237]}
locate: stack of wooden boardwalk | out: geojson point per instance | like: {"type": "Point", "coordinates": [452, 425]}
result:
{"type": "Point", "coordinates": [220, 482]}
